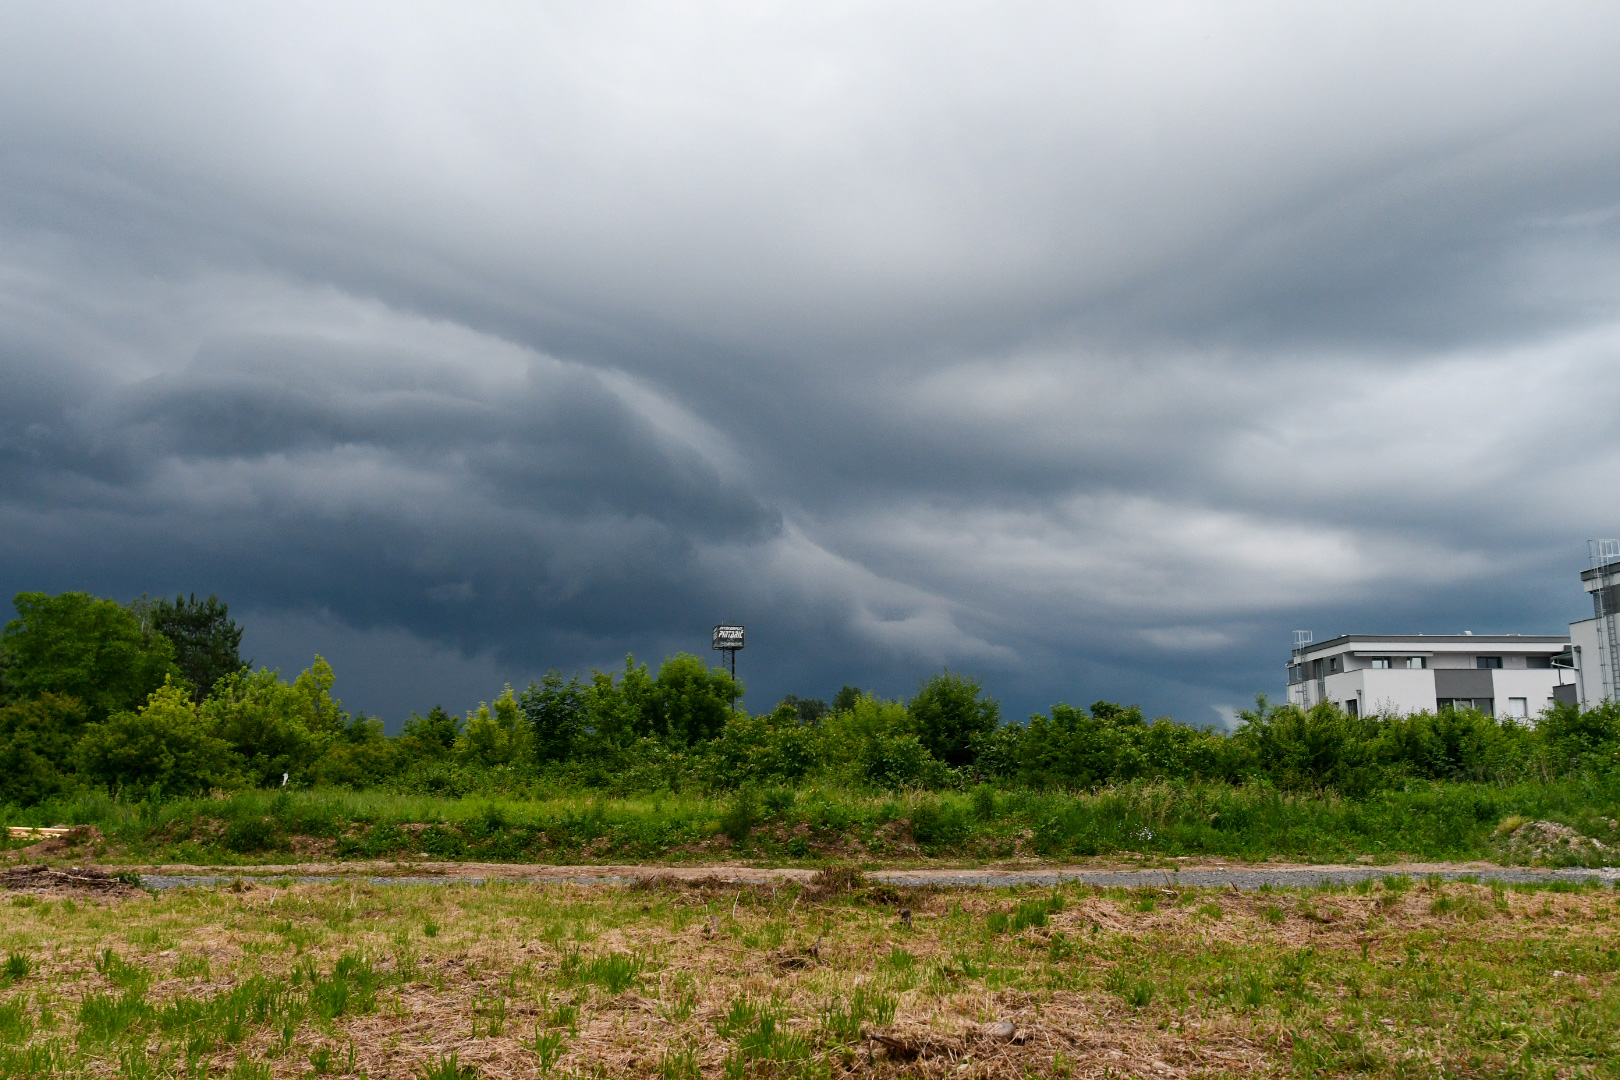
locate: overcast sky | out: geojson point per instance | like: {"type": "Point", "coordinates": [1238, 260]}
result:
{"type": "Point", "coordinates": [1085, 348]}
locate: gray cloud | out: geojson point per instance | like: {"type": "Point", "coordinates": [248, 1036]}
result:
{"type": "Point", "coordinates": [1090, 349]}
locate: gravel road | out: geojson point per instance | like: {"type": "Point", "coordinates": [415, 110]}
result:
{"type": "Point", "coordinates": [1237, 877]}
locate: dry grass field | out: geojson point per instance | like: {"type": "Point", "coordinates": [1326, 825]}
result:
{"type": "Point", "coordinates": [840, 979]}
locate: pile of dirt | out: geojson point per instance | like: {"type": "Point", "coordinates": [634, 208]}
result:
{"type": "Point", "coordinates": [40, 878]}
{"type": "Point", "coordinates": [60, 845]}
{"type": "Point", "coordinates": [1542, 840]}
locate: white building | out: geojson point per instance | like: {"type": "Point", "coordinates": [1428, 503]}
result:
{"type": "Point", "coordinates": [1595, 649]}
{"type": "Point", "coordinates": [1500, 674]}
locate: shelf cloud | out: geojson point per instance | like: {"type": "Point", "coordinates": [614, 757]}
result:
{"type": "Point", "coordinates": [1088, 349]}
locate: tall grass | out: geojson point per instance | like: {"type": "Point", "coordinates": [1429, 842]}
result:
{"type": "Point", "coordinates": [1440, 820]}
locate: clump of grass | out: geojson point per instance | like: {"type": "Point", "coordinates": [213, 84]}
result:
{"type": "Point", "coordinates": [1212, 911]}
{"type": "Point", "coordinates": [18, 966]}
{"type": "Point", "coordinates": [844, 1018]}
{"type": "Point", "coordinates": [1135, 990]}
{"type": "Point", "coordinates": [547, 1046]}
{"type": "Point", "coordinates": [350, 988]}
{"type": "Point", "coordinates": [1466, 906]}
{"type": "Point", "coordinates": [679, 1063]}
{"type": "Point", "coordinates": [767, 1039]}
{"type": "Point", "coordinates": [1272, 913]}
{"type": "Point", "coordinates": [104, 1018]}
{"type": "Point", "coordinates": [681, 1002]}
{"type": "Point", "coordinates": [191, 965]}
{"type": "Point", "coordinates": [614, 972]}
{"type": "Point", "coordinates": [566, 1015]}
{"type": "Point", "coordinates": [835, 880]}
{"type": "Point", "coordinates": [898, 959]}
{"type": "Point", "coordinates": [15, 1022]}
{"type": "Point", "coordinates": [1027, 913]}
{"type": "Point", "coordinates": [1511, 823]}
{"type": "Point", "coordinates": [447, 1068]}
{"type": "Point", "coordinates": [120, 973]}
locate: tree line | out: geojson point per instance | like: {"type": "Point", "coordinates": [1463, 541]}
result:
{"type": "Point", "coordinates": [152, 699]}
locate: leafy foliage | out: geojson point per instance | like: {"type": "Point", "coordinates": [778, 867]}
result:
{"type": "Point", "coordinates": [952, 717]}
{"type": "Point", "coordinates": [164, 746]}
{"type": "Point", "coordinates": [206, 639]}
{"type": "Point", "coordinates": [77, 646]}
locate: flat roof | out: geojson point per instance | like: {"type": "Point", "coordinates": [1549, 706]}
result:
{"type": "Point", "coordinates": [1605, 570]}
{"type": "Point", "coordinates": [1556, 641]}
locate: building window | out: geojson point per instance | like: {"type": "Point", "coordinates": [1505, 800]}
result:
{"type": "Point", "coordinates": [1519, 708]}
{"type": "Point", "coordinates": [1538, 661]}
{"type": "Point", "coordinates": [1380, 662]}
{"type": "Point", "coordinates": [1483, 704]}
{"type": "Point", "coordinates": [1333, 665]}
{"type": "Point", "coordinates": [1492, 662]}
{"type": "Point", "coordinates": [1417, 663]}
{"type": "Point", "coordinates": [1352, 707]}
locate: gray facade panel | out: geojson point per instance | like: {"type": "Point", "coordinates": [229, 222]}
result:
{"type": "Point", "coordinates": [1565, 694]}
{"type": "Point", "coordinates": [1463, 683]}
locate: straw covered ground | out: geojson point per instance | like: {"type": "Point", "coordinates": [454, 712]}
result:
{"type": "Point", "coordinates": [838, 978]}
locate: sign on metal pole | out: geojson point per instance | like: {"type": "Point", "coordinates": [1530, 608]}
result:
{"type": "Point", "coordinates": [729, 639]}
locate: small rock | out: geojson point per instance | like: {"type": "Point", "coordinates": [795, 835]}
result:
{"type": "Point", "coordinates": [999, 1030]}
{"type": "Point", "coordinates": [905, 916]}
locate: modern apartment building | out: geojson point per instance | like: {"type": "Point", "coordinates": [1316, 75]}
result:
{"type": "Point", "coordinates": [1501, 674]}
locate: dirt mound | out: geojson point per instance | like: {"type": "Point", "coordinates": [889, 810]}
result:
{"type": "Point", "coordinates": [58, 845]}
{"type": "Point", "coordinates": [66, 880]}
{"type": "Point", "coordinates": [1539, 840]}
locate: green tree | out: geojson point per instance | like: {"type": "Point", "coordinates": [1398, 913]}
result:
{"type": "Point", "coordinates": [775, 748]}
{"type": "Point", "coordinates": [951, 717]}
{"type": "Point", "coordinates": [264, 720]}
{"type": "Point", "coordinates": [691, 701]}
{"type": "Point", "coordinates": [430, 736]}
{"type": "Point", "coordinates": [361, 756]}
{"type": "Point", "coordinates": [322, 712]}
{"type": "Point", "coordinates": [1316, 748]}
{"type": "Point", "coordinates": [809, 711]}
{"type": "Point", "coordinates": [496, 736]}
{"type": "Point", "coordinates": [165, 746]}
{"type": "Point", "coordinates": [37, 742]}
{"type": "Point", "coordinates": [556, 711]}
{"type": "Point", "coordinates": [874, 741]}
{"type": "Point", "coordinates": [1578, 738]}
{"type": "Point", "coordinates": [94, 650]}
{"type": "Point", "coordinates": [845, 699]}
{"type": "Point", "coordinates": [206, 640]}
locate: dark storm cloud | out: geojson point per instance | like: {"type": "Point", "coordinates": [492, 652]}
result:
{"type": "Point", "coordinates": [1090, 348]}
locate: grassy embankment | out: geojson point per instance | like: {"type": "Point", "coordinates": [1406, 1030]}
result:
{"type": "Point", "coordinates": [1401, 978]}
{"type": "Point", "coordinates": [809, 826]}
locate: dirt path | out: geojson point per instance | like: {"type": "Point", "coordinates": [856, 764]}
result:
{"type": "Point", "coordinates": [1221, 875]}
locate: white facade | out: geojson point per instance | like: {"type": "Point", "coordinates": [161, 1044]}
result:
{"type": "Point", "coordinates": [1594, 641]}
{"type": "Point", "coordinates": [1502, 674]}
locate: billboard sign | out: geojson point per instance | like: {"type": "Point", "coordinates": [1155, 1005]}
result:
{"type": "Point", "coordinates": [729, 638]}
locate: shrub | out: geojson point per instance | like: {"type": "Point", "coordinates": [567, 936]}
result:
{"type": "Point", "coordinates": [937, 825]}
{"type": "Point", "coordinates": [165, 746]}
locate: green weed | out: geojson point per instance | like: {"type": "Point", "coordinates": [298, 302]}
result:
{"type": "Point", "coordinates": [844, 1018]}
{"type": "Point", "coordinates": [547, 1046]}
{"type": "Point", "coordinates": [446, 1068]}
